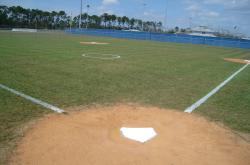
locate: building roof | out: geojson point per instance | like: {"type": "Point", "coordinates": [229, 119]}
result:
{"type": "Point", "coordinates": [202, 29]}
{"type": "Point", "coordinates": [200, 34]}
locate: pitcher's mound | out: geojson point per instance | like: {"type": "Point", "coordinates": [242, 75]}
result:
{"type": "Point", "coordinates": [92, 137]}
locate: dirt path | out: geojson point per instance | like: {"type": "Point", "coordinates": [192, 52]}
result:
{"type": "Point", "coordinates": [92, 137]}
{"type": "Point", "coordinates": [236, 60]}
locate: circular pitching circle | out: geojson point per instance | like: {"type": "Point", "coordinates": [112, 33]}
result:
{"type": "Point", "coordinates": [101, 56]}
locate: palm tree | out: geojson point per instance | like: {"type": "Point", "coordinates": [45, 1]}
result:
{"type": "Point", "coordinates": [104, 18]}
{"type": "Point", "coordinates": [4, 10]}
{"type": "Point", "coordinates": [159, 26]}
{"type": "Point", "coordinates": [125, 20]}
{"type": "Point", "coordinates": [46, 19]}
{"type": "Point", "coordinates": [176, 29]}
{"type": "Point", "coordinates": [119, 20]}
{"type": "Point", "coordinates": [113, 19]}
{"type": "Point", "coordinates": [148, 26]}
{"type": "Point", "coordinates": [109, 21]}
{"type": "Point", "coordinates": [85, 18]}
{"type": "Point", "coordinates": [132, 23]}
{"type": "Point", "coordinates": [140, 24]}
{"type": "Point", "coordinates": [17, 16]}
{"type": "Point", "coordinates": [62, 18]}
{"type": "Point", "coordinates": [53, 17]}
{"type": "Point", "coordinates": [95, 21]}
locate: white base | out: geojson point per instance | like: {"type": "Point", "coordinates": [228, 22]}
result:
{"type": "Point", "coordinates": [141, 135]}
{"type": "Point", "coordinates": [248, 61]}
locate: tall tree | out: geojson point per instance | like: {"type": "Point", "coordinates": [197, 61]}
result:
{"type": "Point", "coordinates": [119, 20]}
{"type": "Point", "coordinates": [4, 10]}
{"type": "Point", "coordinates": [113, 19]}
{"type": "Point", "coordinates": [125, 20]}
{"type": "Point", "coordinates": [104, 18]}
{"type": "Point", "coordinates": [17, 16]}
{"type": "Point", "coordinates": [132, 23]}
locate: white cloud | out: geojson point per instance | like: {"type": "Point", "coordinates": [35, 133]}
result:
{"type": "Point", "coordinates": [110, 2]}
{"type": "Point", "coordinates": [198, 11]}
{"type": "Point", "coordinates": [223, 2]}
{"type": "Point", "coordinates": [145, 13]}
{"type": "Point", "coordinates": [103, 9]}
{"type": "Point", "coordinates": [234, 5]}
{"type": "Point", "coordinates": [194, 8]}
{"type": "Point", "coordinates": [212, 14]}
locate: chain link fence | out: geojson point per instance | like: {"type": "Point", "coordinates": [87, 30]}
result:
{"type": "Point", "coordinates": [176, 38]}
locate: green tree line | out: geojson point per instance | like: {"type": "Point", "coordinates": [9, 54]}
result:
{"type": "Point", "coordinates": [19, 17]}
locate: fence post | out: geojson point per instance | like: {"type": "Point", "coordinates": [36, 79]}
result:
{"type": "Point", "coordinates": [239, 44]}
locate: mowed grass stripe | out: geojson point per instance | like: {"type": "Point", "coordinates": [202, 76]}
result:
{"type": "Point", "coordinates": [139, 65]}
{"type": "Point", "coordinates": [232, 104]}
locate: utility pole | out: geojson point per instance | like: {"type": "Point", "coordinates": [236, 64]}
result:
{"type": "Point", "coordinates": [80, 19]}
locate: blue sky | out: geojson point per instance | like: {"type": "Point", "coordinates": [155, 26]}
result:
{"type": "Point", "coordinates": [218, 14]}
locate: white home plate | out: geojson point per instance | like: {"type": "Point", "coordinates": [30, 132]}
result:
{"type": "Point", "coordinates": [138, 134]}
{"type": "Point", "coordinates": [248, 61]}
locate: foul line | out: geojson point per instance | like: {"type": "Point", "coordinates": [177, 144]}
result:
{"type": "Point", "coordinates": [32, 99]}
{"type": "Point", "coordinates": [204, 99]}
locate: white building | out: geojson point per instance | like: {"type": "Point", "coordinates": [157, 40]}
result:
{"type": "Point", "coordinates": [202, 31]}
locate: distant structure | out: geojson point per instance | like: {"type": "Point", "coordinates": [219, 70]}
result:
{"type": "Point", "coordinates": [24, 30]}
{"type": "Point", "coordinates": [246, 38]}
{"type": "Point", "coordinates": [202, 31]}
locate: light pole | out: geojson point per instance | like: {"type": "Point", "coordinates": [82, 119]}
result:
{"type": "Point", "coordinates": [80, 19]}
{"type": "Point", "coordinates": [144, 6]}
{"type": "Point", "coordinates": [166, 16]}
{"type": "Point", "coordinates": [190, 22]}
{"type": "Point", "coordinates": [71, 21]}
{"type": "Point", "coordinates": [88, 6]}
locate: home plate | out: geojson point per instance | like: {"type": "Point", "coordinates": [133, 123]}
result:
{"type": "Point", "coordinates": [248, 61]}
{"type": "Point", "coordinates": [141, 135]}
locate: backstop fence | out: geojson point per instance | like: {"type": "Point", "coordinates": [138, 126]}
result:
{"type": "Point", "coordinates": [176, 38]}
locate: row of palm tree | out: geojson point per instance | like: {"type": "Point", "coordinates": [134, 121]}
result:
{"type": "Point", "coordinates": [17, 16]}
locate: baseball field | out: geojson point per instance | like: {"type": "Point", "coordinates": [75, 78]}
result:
{"type": "Point", "coordinates": [77, 73]}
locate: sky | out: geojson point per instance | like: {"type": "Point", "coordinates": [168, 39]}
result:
{"type": "Point", "coordinates": [232, 15]}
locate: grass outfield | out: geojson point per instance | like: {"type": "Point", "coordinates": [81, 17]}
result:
{"type": "Point", "coordinates": [49, 66]}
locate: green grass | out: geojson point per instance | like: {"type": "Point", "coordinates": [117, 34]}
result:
{"type": "Point", "coordinates": [49, 66]}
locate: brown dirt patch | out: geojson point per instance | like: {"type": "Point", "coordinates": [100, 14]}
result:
{"type": "Point", "coordinates": [236, 60]}
{"type": "Point", "coordinates": [92, 137]}
{"type": "Point", "coordinates": [94, 43]}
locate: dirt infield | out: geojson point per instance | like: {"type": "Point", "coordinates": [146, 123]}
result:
{"type": "Point", "coordinates": [94, 43]}
{"type": "Point", "coordinates": [236, 60]}
{"type": "Point", "coordinates": [92, 137]}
